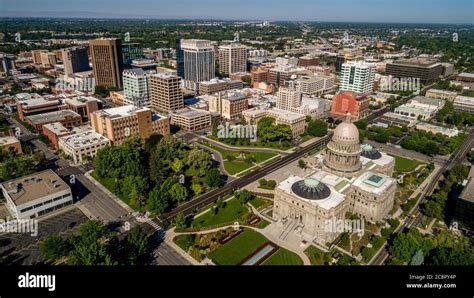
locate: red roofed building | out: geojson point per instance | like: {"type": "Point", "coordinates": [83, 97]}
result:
{"type": "Point", "coordinates": [348, 102]}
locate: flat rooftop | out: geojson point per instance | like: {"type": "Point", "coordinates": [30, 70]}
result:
{"type": "Point", "coordinates": [80, 100]}
{"type": "Point", "coordinates": [464, 100]}
{"type": "Point", "coordinates": [466, 74]}
{"type": "Point", "coordinates": [373, 182]}
{"type": "Point", "coordinates": [5, 141]}
{"type": "Point", "coordinates": [190, 113]}
{"type": "Point", "coordinates": [57, 128]}
{"type": "Point", "coordinates": [34, 186]}
{"type": "Point", "coordinates": [84, 139]}
{"type": "Point", "coordinates": [416, 62]}
{"type": "Point", "coordinates": [122, 111]}
{"type": "Point", "coordinates": [55, 116]}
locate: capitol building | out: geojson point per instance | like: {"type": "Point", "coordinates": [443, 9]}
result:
{"type": "Point", "coordinates": [350, 177]}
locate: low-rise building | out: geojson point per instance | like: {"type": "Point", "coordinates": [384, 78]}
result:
{"type": "Point", "coordinates": [464, 104]}
{"type": "Point", "coordinates": [34, 104]}
{"type": "Point", "coordinates": [295, 121]}
{"type": "Point", "coordinates": [10, 143]}
{"type": "Point", "coordinates": [119, 123]}
{"type": "Point", "coordinates": [348, 102]}
{"type": "Point", "coordinates": [465, 77]}
{"type": "Point", "coordinates": [421, 107]}
{"type": "Point", "coordinates": [229, 105]}
{"type": "Point", "coordinates": [83, 105]}
{"type": "Point", "coordinates": [82, 146]}
{"type": "Point", "coordinates": [219, 85]}
{"type": "Point", "coordinates": [315, 85]}
{"type": "Point", "coordinates": [391, 118]}
{"type": "Point", "coordinates": [449, 132]}
{"type": "Point", "coordinates": [36, 194]}
{"type": "Point", "coordinates": [53, 131]}
{"type": "Point", "coordinates": [441, 94]}
{"type": "Point", "coordinates": [67, 118]}
{"type": "Point", "coordinates": [190, 119]}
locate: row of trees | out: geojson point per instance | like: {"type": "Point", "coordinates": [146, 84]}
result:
{"type": "Point", "coordinates": [14, 165]}
{"type": "Point", "coordinates": [441, 249]}
{"type": "Point", "coordinates": [432, 144]}
{"type": "Point", "coordinates": [449, 116]}
{"type": "Point", "coordinates": [439, 204]}
{"type": "Point", "coordinates": [316, 128]}
{"type": "Point", "coordinates": [95, 245]}
{"type": "Point", "coordinates": [158, 174]}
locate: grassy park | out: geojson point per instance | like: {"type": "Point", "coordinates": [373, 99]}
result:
{"type": "Point", "coordinates": [235, 162]}
{"type": "Point", "coordinates": [237, 249]}
{"type": "Point", "coordinates": [403, 164]}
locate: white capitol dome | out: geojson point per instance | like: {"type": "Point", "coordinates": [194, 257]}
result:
{"type": "Point", "coordinates": [347, 133]}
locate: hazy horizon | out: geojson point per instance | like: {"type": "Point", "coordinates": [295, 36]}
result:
{"type": "Point", "coordinates": [360, 11]}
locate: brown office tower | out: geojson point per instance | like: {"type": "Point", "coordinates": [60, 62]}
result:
{"type": "Point", "coordinates": [106, 54]}
{"type": "Point", "coordinates": [165, 93]}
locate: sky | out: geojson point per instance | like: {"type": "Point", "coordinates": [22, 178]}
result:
{"type": "Point", "coordinates": [404, 11]}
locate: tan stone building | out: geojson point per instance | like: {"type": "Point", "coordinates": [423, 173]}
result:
{"type": "Point", "coordinates": [165, 92]}
{"type": "Point", "coordinates": [191, 119]}
{"type": "Point", "coordinates": [107, 61]}
{"type": "Point", "coordinates": [351, 178]}
{"type": "Point", "coordinates": [295, 121]}
{"type": "Point", "coordinates": [117, 124]}
{"type": "Point", "coordinates": [229, 105]}
{"type": "Point", "coordinates": [232, 58]}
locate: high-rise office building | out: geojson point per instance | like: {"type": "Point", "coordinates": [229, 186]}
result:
{"type": "Point", "coordinates": [107, 63]}
{"type": "Point", "coordinates": [136, 87]}
{"type": "Point", "coordinates": [424, 69]}
{"type": "Point", "coordinates": [289, 96]}
{"type": "Point", "coordinates": [75, 60]}
{"type": "Point", "coordinates": [130, 52]}
{"type": "Point", "coordinates": [179, 58]}
{"type": "Point", "coordinates": [340, 59]}
{"type": "Point", "coordinates": [7, 64]}
{"type": "Point", "coordinates": [232, 58]}
{"type": "Point", "coordinates": [199, 62]}
{"type": "Point", "coordinates": [165, 92]}
{"type": "Point", "coordinates": [357, 77]}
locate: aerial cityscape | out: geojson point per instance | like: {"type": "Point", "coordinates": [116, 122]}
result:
{"type": "Point", "coordinates": [216, 138]}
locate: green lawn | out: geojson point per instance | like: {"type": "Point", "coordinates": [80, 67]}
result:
{"type": "Point", "coordinates": [260, 203]}
{"type": "Point", "coordinates": [232, 212]}
{"type": "Point", "coordinates": [403, 164]}
{"type": "Point", "coordinates": [283, 257]}
{"type": "Point", "coordinates": [262, 224]}
{"type": "Point", "coordinates": [237, 166]}
{"type": "Point", "coordinates": [237, 249]}
{"type": "Point", "coordinates": [317, 256]}
{"type": "Point", "coordinates": [184, 241]}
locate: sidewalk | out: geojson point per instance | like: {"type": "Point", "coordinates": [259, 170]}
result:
{"type": "Point", "coordinates": [108, 192]}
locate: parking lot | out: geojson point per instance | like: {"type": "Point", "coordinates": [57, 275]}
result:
{"type": "Point", "coordinates": [24, 249]}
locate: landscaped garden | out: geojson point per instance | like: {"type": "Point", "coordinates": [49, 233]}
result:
{"type": "Point", "coordinates": [236, 162]}
{"type": "Point", "coordinates": [317, 256]}
{"type": "Point", "coordinates": [228, 212]}
{"type": "Point", "coordinates": [403, 164]}
{"type": "Point", "coordinates": [283, 257]}
{"type": "Point", "coordinates": [237, 249]}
